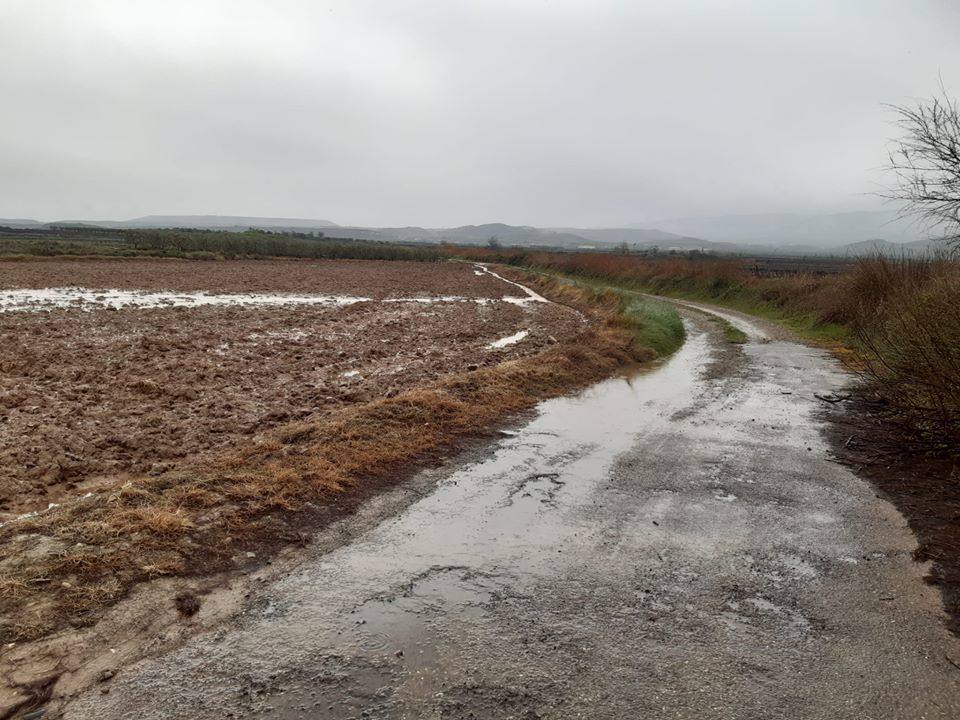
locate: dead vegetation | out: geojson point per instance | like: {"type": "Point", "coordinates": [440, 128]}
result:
{"type": "Point", "coordinates": [64, 566]}
{"type": "Point", "coordinates": [908, 330]}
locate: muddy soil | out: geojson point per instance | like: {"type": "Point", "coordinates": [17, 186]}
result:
{"type": "Point", "coordinates": [87, 396]}
{"type": "Point", "coordinates": [370, 278]}
{"type": "Point", "coordinates": [677, 544]}
{"type": "Point", "coordinates": [924, 486]}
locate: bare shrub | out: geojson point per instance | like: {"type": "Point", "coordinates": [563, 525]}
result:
{"type": "Point", "coordinates": [926, 163]}
{"type": "Point", "coordinates": [908, 328]}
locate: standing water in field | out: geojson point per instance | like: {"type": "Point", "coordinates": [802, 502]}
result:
{"type": "Point", "coordinates": [34, 300]}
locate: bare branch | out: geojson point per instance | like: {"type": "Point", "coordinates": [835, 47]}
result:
{"type": "Point", "coordinates": [925, 163]}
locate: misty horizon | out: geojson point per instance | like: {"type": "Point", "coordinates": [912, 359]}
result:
{"type": "Point", "coordinates": [427, 114]}
{"type": "Point", "coordinates": [319, 222]}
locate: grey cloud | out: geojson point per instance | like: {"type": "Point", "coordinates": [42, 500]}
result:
{"type": "Point", "coordinates": [445, 113]}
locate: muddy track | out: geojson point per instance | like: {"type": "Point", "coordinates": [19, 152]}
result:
{"type": "Point", "coordinates": [674, 544]}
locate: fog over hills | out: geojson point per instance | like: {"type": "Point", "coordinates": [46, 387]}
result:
{"type": "Point", "coordinates": [224, 221]}
{"type": "Point", "coordinates": [632, 236]}
{"type": "Point", "coordinates": [840, 234]}
{"type": "Point", "coordinates": [205, 222]}
{"type": "Point", "coordinates": [520, 235]}
{"type": "Point", "coordinates": [824, 231]}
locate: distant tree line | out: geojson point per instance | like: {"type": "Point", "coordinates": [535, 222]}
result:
{"type": "Point", "coordinates": [183, 242]}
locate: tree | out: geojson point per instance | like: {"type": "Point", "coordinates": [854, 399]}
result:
{"type": "Point", "coordinates": [926, 163]}
{"type": "Point", "coordinates": [493, 243]}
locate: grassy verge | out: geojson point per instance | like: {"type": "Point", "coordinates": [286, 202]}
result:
{"type": "Point", "coordinates": [67, 565]}
{"type": "Point", "coordinates": [731, 333]}
{"type": "Point", "coordinates": [654, 325]}
{"type": "Point", "coordinates": [804, 324]}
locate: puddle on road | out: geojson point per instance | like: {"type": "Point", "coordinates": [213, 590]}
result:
{"type": "Point", "coordinates": [488, 532]}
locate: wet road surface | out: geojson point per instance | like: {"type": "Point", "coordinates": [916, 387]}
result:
{"type": "Point", "coordinates": [673, 545]}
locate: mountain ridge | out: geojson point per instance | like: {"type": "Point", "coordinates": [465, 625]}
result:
{"type": "Point", "coordinates": [793, 234]}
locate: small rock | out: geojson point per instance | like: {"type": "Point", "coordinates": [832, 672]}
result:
{"type": "Point", "coordinates": [398, 653]}
{"type": "Point", "coordinates": [105, 675]}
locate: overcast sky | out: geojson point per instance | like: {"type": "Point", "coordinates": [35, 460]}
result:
{"type": "Point", "coordinates": [543, 112]}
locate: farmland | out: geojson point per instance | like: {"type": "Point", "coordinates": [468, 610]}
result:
{"type": "Point", "coordinates": [100, 392]}
{"type": "Point", "coordinates": [173, 418]}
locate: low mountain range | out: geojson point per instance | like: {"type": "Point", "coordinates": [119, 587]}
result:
{"type": "Point", "coordinates": [842, 234]}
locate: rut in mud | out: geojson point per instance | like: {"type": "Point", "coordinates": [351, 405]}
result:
{"type": "Point", "coordinates": [677, 543]}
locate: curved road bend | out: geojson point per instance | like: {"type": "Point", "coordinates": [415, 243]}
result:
{"type": "Point", "coordinates": [672, 545]}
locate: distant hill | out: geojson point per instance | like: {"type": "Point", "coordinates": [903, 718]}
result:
{"type": "Point", "coordinates": [821, 231]}
{"type": "Point", "coordinates": [843, 234]}
{"type": "Point", "coordinates": [226, 221]}
{"type": "Point", "coordinates": [517, 235]}
{"type": "Point", "coordinates": [635, 237]}
{"type": "Point", "coordinates": [19, 223]}
{"type": "Point", "coordinates": [206, 222]}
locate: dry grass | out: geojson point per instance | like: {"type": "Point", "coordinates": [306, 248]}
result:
{"type": "Point", "coordinates": [908, 328]}
{"type": "Point", "coordinates": [69, 564]}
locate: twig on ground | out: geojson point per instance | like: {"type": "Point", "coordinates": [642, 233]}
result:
{"type": "Point", "coordinates": [833, 398]}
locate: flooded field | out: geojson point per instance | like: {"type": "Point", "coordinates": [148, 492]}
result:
{"type": "Point", "coordinates": [141, 367]}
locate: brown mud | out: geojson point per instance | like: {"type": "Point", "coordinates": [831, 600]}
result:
{"type": "Point", "coordinates": [924, 487]}
{"type": "Point", "coordinates": [371, 278]}
{"type": "Point", "coordinates": [88, 396]}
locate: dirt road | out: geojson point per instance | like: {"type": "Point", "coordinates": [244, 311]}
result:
{"type": "Point", "coordinates": [677, 544]}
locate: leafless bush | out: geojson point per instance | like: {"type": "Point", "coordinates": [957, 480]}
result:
{"type": "Point", "coordinates": [908, 329]}
{"type": "Point", "coordinates": [926, 163]}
